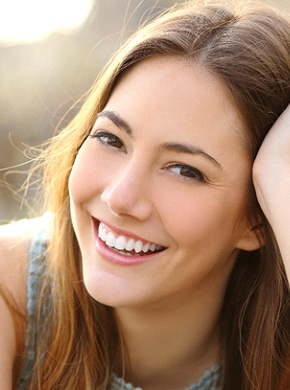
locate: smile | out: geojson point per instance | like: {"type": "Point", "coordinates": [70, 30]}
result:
{"type": "Point", "coordinates": [125, 245]}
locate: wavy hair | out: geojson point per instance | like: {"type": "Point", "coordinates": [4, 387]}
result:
{"type": "Point", "coordinates": [248, 48]}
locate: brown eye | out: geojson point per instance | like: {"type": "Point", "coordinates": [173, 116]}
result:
{"type": "Point", "coordinates": [108, 139]}
{"type": "Point", "coordinates": [187, 172]}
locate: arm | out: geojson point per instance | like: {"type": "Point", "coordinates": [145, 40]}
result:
{"type": "Point", "coordinates": [15, 241]}
{"type": "Point", "coordinates": [271, 176]}
{"type": "Point", "coordinates": [8, 346]}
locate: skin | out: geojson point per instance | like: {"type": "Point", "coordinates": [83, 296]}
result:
{"type": "Point", "coordinates": [133, 183]}
{"type": "Point", "coordinates": [15, 240]}
{"type": "Point", "coordinates": [271, 176]}
{"type": "Point", "coordinates": [147, 335]}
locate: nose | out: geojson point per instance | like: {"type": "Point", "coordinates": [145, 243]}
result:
{"type": "Point", "coordinates": [127, 192]}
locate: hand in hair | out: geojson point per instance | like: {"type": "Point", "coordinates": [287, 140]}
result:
{"type": "Point", "coordinates": [271, 175]}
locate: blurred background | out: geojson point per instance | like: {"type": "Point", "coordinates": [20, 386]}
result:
{"type": "Point", "coordinates": [50, 53]}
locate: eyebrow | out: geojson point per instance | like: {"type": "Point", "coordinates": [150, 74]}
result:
{"type": "Point", "coordinates": [188, 149]}
{"type": "Point", "coordinates": [181, 148]}
{"type": "Point", "coordinates": [114, 117]}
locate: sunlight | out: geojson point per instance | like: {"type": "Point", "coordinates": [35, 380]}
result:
{"type": "Point", "coordinates": [33, 20]}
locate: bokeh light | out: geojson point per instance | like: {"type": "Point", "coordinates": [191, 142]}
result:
{"type": "Point", "coordinates": [33, 20]}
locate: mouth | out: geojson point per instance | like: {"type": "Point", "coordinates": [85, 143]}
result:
{"type": "Point", "coordinates": [124, 244]}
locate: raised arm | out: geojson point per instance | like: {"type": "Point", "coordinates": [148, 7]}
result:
{"type": "Point", "coordinates": [271, 175]}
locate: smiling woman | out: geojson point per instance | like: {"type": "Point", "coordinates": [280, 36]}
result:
{"type": "Point", "coordinates": [33, 20]}
{"type": "Point", "coordinates": [128, 172]}
{"type": "Point", "coordinates": [156, 264]}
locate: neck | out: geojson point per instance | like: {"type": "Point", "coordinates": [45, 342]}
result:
{"type": "Point", "coordinates": [171, 344]}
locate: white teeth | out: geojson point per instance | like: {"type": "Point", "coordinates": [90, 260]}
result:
{"type": "Point", "coordinates": [146, 247]}
{"type": "Point", "coordinates": [121, 242]}
{"type": "Point", "coordinates": [103, 235]}
{"type": "Point", "coordinates": [126, 253]}
{"type": "Point", "coordinates": [130, 245]}
{"type": "Point", "coordinates": [138, 246]}
{"type": "Point", "coordinates": [110, 240]}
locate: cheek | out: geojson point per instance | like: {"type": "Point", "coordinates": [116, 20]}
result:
{"type": "Point", "coordinates": [206, 217]}
{"type": "Point", "coordinates": [78, 182]}
{"type": "Point", "coordinates": [83, 181]}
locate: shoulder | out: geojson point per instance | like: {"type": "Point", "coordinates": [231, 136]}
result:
{"type": "Point", "coordinates": [15, 241]}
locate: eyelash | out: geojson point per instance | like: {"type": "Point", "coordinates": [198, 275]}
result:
{"type": "Point", "coordinates": [189, 173]}
{"type": "Point", "coordinates": [108, 139]}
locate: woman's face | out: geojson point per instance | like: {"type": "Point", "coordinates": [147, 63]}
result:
{"type": "Point", "coordinates": [159, 191]}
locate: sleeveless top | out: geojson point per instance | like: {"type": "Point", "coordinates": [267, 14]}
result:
{"type": "Point", "coordinates": [208, 381]}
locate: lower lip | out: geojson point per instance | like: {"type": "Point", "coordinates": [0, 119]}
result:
{"type": "Point", "coordinates": [117, 258]}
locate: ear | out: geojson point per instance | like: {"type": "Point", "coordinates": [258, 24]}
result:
{"type": "Point", "coordinates": [252, 238]}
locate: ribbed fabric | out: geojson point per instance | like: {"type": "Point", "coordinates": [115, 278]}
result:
{"type": "Point", "coordinates": [36, 269]}
{"type": "Point", "coordinates": [208, 381]}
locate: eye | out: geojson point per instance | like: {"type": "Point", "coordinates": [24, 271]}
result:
{"type": "Point", "coordinates": [187, 172]}
{"type": "Point", "coordinates": [108, 139]}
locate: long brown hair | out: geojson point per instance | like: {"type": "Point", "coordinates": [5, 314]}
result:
{"type": "Point", "coordinates": [248, 48]}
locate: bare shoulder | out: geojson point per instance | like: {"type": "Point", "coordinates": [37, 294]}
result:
{"type": "Point", "coordinates": [15, 240]}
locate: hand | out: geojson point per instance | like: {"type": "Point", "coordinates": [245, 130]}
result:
{"type": "Point", "coordinates": [271, 177]}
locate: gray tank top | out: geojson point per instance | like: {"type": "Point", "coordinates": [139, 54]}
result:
{"type": "Point", "coordinates": [36, 269]}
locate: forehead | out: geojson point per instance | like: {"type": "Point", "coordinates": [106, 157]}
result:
{"type": "Point", "coordinates": [180, 96]}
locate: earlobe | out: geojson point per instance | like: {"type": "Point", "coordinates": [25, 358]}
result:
{"type": "Point", "coordinates": [252, 238]}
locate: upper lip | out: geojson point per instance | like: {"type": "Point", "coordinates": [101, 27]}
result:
{"type": "Point", "coordinates": [123, 232]}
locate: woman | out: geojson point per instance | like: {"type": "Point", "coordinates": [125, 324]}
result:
{"type": "Point", "coordinates": [161, 267]}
